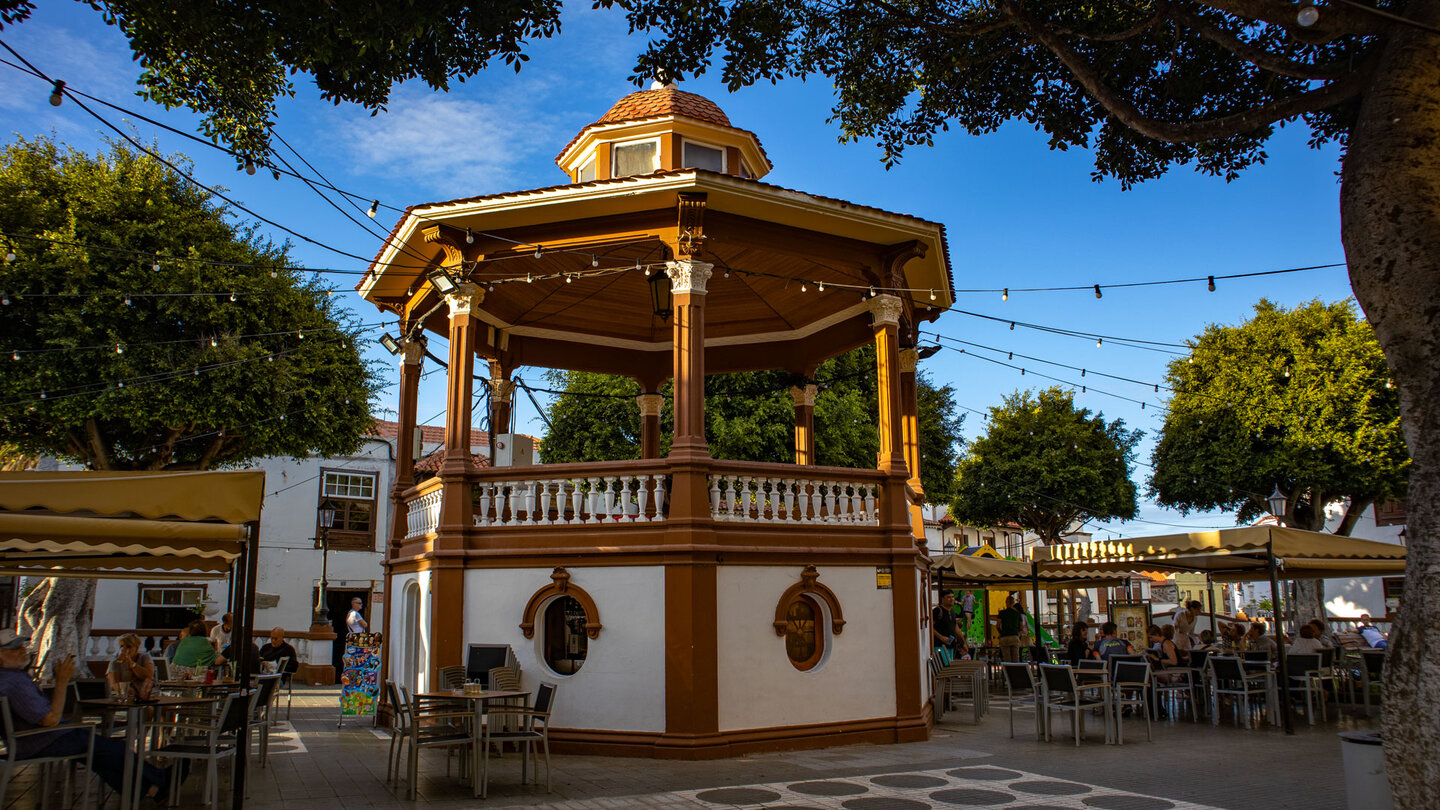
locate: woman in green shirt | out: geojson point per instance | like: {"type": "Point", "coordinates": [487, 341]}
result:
{"type": "Point", "coordinates": [195, 649]}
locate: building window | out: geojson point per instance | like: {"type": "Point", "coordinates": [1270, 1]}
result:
{"type": "Point", "coordinates": [352, 496]}
{"type": "Point", "coordinates": [168, 607]}
{"type": "Point", "coordinates": [586, 172]}
{"type": "Point", "coordinates": [1390, 513]}
{"type": "Point", "coordinates": [804, 639]}
{"type": "Point", "coordinates": [635, 158]}
{"type": "Point", "coordinates": [699, 156]}
{"type": "Point", "coordinates": [565, 640]}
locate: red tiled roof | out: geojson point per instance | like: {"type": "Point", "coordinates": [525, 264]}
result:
{"type": "Point", "coordinates": [429, 434]}
{"type": "Point", "coordinates": [665, 101]}
{"type": "Point", "coordinates": [431, 463]}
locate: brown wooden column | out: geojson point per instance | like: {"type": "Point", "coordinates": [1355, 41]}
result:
{"type": "Point", "coordinates": [804, 423]}
{"type": "Point", "coordinates": [885, 315]}
{"type": "Point", "coordinates": [687, 288]}
{"type": "Point", "coordinates": [447, 584]}
{"type": "Point", "coordinates": [502, 398]}
{"type": "Point", "coordinates": [910, 438]}
{"type": "Point", "coordinates": [412, 354]}
{"type": "Point", "coordinates": [650, 405]}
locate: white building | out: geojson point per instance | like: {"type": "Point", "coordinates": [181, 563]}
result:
{"type": "Point", "coordinates": [357, 488]}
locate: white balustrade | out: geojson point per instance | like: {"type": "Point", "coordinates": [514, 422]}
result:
{"type": "Point", "coordinates": [422, 514]}
{"type": "Point", "coordinates": [564, 501]}
{"type": "Point", "coordinates": [753, 499]}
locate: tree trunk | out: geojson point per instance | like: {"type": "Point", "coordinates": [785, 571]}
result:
{"type": "Point", "coordinates": [1390, 223]}
{"type": "Point", "coordinates": [1309, 601]}
{"type": "Point", "coordinates": [57, 616]}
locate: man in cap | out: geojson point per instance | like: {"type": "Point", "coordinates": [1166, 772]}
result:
{"type": "Point", "coordinates": [30, 709]}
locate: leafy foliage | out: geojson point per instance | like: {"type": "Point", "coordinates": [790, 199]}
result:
{"type": "Point", "coordinates": [750, 416]}
{"type": "Point", "coordinates": [1300, 399]}
{"type": "Point", "coordinates": [230, 61]}
{"type": "Point", "coordinates": [131, 362]}
{"type": "Point", "coordinates": [1146, 84]}
{"type": "Point", "coordinates": [1043, 465]}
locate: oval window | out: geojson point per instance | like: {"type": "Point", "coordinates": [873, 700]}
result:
{"type": "Point", "coordinates": [565, 639]}
{"type": "Point", "coordinates": [804, 642]}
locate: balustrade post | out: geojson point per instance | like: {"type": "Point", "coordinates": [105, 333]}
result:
{"type": "Point", "coordinates": [577, 501]}
{"type": "Point", "coordinates": [659, 496]}
{"type": "Point", "coordinates": [530, 516]}
{"type": "Point", "coordinates": [643, 494]}
{"type": "Point", "coordinates": [545, 503]}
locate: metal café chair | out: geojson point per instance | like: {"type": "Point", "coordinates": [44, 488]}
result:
{"type": "Point", "coordinates": [8, 760]}
{"type": "Point", "coordinates": [1303, 670]}
{"type": "Point", "coordinates": [1021, 689]}
{"type": "Point", "coordinates": [1228, 677]}
{"type": "Point", "coordinates": [1062, 693]}
{"type": "Point", "coordinates": [534, 729]}
{"type": "Point", "coordinates": [1132, 691]}
{"type": "Point", "coordinates": [436, 724]}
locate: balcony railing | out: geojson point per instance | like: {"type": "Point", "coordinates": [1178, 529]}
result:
{"type": "Point", "coordinates": [551, 500]}
{"type": "Point", "coordinates": [783, 493]}
{"type": "Point", "coordinates": [422, 511]}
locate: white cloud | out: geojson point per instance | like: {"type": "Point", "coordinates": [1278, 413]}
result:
{"type": "Point", "coordinates": [452, 145]}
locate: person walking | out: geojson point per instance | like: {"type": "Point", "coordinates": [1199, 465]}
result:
{"type": "Point", "coordinates": [1010, 621]}
{"type": "Point", "coordinates": [967, 611]}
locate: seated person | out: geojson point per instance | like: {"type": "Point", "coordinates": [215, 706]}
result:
{"type": "Point", "coordinates": [1373, 637]}
{"type": "Point", "coordinates": [1307, 643]}
{"type": "Point", "coordinates": [231, 655]}
{"type": "Point", "coordinates": [1257, 641]}
{"type": "Point", "coordinates": [1323, 634]}
{"type": "Point", "coordinates": [1078, 649]}
{"type": "Point", "coordinates": [31, 709]}
{"type": "Point", "coordinates": [278, 648]}
{"type": "Point", "coordinates": [1162, 653]}
{"type": "Point", "coordinates": [168, 650]}
{"type": "Point", "coordinates": [131, 666]}
{"type": "Point", "coordinates": [194, 650]}
{"type": "Point", "coordinates": [1110, 643]}
{"type": "Point", "coordinates": [1207, 638]}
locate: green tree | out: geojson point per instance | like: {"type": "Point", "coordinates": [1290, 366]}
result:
{"type": "Point", "coordinates": [1044, 465]}
{"type": "Point", "coordinates": [117, 359]}
{"type": "Point", "coordinates": [1148, 85]}
{"type": "Point", "coordinates": [1299, 399]}
{"type": "Point", "coordinates": [750, 416]}
{"type": "Point", "coordinates": [229, 62]}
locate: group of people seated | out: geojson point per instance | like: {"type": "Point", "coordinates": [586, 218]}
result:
{"type": "Point", "coordinates": [198, 648]}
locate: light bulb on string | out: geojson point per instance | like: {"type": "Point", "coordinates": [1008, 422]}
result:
{"type": "Point", "coordinates": [274, 273]}
{"type": "Point", "coordinates": [1157, 388]}
{"type": "Point", "coordinates": [44, 395]}
{"type": "Point", "coordinates": [469, 237]}
{"type": "Point", "coordinates": [802, 287]}
{"type": "Point", "coordinates": [232, 296]}
{"type": "Point", "coordinates": [57, 93]}
{"type": "Point", "coordinates": [127, 301]}
{"type": "Point", "coordinates": [155, 267]}
{"type": "Point", "coordinates": [213, 344]}
{"type": "Point", "coordinates": [1097, 291]}
{"type": "Point", "coordinates": [119, 349]}
{"type": "Point", "coordinates": [374, 209]}
{"type": "Point", "coordinates": [1099, 342]}
{"type": "Point", "coordinates": [1005, 295]}
{"type": "Point", "coordinates": [9, 255]}
{"type": "Point", "coordinates": [1012, 326]}
{"type": "Point", "coordinates": [820, 285]}
{"type": "Point", "coordinates": [568, 278]}
{"type": "Point", "coordinates": [932, 295]}
{"type": "Point", "coordinates": [1210, 282]}
{"type": "Point", "coordinates": [529, 279]}
{"type": "Point", "coordinates": [872, 292]}
{"type": "Point", "coordinates": [538, 254]}
{"type": "Point", "coordinates": [1082, 372]}
{"type": "Point", "coordinates": [249, 166]}
{"type": "Point", "coordinates": [15, 355]}
{"type": "Point", "coordinates": [594, 260]}
{"type": "Point", "coordinates": [1010, 356]}
{"type": "Point", "coordinates": [120, 384]}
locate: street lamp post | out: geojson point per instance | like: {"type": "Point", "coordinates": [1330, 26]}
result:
{"type": "Point", "coordinates": [1276, 502]}
{"type": "Point", "coordinates": [327, 520]}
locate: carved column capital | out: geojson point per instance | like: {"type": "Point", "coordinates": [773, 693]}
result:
{"type": "Point", "coordinates": [412, 351]}
{"type": "Point", "coordinates": [804, 397]}
{"type": "Point", "coordinates": [909, 361]}
{"type": "Point", "coordinates": [650, 404]}
{"type": "Point", "coordinates": [885, 310]}
{"type": "Point", "coordinates": [466, 297]}
{"type": "Point", "coordinates": [688, 276]}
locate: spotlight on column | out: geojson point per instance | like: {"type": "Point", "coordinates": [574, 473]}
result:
{"type": "Point", "coordinates": [391, 344]}
{"type": "Point", "coordinates": [442, 282]}
{"type": "Point", "coordinates": [926, 352]}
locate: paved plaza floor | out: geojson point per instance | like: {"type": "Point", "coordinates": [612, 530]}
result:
{"type": "Point", "coordinates": [315, 766]}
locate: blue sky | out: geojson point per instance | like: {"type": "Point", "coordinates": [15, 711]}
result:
{"type": "Point", "coordinates": [1017, 214]}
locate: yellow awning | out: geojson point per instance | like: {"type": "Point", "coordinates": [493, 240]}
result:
{"type": "Point", "coordinates": [231, 497]}
{"type": "Point", "coordinates": [1231, 555]}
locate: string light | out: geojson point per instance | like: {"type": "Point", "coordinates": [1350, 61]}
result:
{"type": "Point", "coordinates": [802, 286]}
{"type": "Point", "coordinates": [274, 273]}
{"type": "Point", "coordinates": [1097, 291]}
{"type": "Point", "coordinates": [528, 279]}
{"type": "Point", "coordinates": [1099, 342]}
{"type": "Point", "coordinates": [232, 296]}
{"type": "Point", "coordinates": [469, 237]}
{"type": "Point", "coordinates": [1210, 282]}
{"type": "Point", "coordinates": [249, 166]}
{"type": "Point", "coordinates": [5, 299]}
{"type": "Point", "coordinates": [155, 266]}
{"type": "Point", "coordinates": [213, 344]}
{"type": "Point", "coordinates": [820, 286]}
{"type": "Point", "coordinates": [1012, 326]}
{"type": "Point", "coordinates": [568, 278]}
{"type": "Point", "coordinates": [932, 295]}
{"type": "Point", "coordinates": [9, 254]}
{"type": "Point", "coordinates": [57, 95]}
{"type": "Point", "coordinates": [15, 355]}
{"type": "Point", "coordinates": [1005, 294]}
{"type": "Point", "coordinates": [127, 301]}
{"type": "Point", "coordinates": [374, 209]}
{"type": "Point", "coordinates": [872, 292]}
{"type": "Point", "coordinates": [538, 255]}
{"type": "Point", "coordinates": [594, 260]}
{"type": "Point", "coordinates": [119, 349]}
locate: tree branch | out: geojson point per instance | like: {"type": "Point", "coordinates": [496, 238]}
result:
{"type": "Point", "coordinates": [971, 30]}
{"type": "Point", "coordinates": [1227, 126]}
{"type": "Point", "coordinates": [1335, 21]}
{"type": "Point", "coordinates": [209, 455]}
{"type": "Point", "coordinates": [99, 454]}
{"type": "Point", "coordinates": [1257, 56]}
{"type": "Point", "coordinates": [1358, 505]}
{"type": "Point", "coordinates": [1118, 36]}
{"type": "Point", "coordinates": [167, 449]}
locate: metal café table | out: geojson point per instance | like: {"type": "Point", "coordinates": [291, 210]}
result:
{"type": "Point", "coordinates": [135, 734]}
{"type": "Point", "coordinates": [480, 702]}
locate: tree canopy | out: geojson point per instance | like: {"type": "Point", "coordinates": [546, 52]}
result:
{"type": "Point", "coordinates": [229, 62]}
{"type": "Point", "coordinates": [144, 328]}
{"type": "Point", "coordinates": [1297, 398]}
{"type": "Point", "coordinates": [1045, 465]}
{"type": "Point", "coordinates": [750, 416]}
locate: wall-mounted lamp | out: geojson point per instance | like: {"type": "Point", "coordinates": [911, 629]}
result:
{"type": "Point", "coordinates": [441, 281]}
{"type": "Point", "coordinates": [660, 298]}
{"type": "Point", "coordinates": [926, 352]}
{"type": "Point", "coordinates": [391, 344]}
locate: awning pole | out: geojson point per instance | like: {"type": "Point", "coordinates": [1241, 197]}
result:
{"type": "Point", "coordinates": [1210, 600]}
{"type": "Point", "coordinates": [1282, 674]}
{"type": "Point", "coordinates": [1035, 588]}
{"type": "Point", "coordinates": [241, 640]}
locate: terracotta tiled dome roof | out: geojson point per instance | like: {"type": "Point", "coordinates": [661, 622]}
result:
{"type": "Point", "coordinates": [665, 101]}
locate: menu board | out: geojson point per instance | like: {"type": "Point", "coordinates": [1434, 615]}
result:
{"type": "Point", "coordinates": [360, 675]}
{"type": "Point", "coordinates": [1131, 619]}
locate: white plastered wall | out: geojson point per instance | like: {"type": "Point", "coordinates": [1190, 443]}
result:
{"type": "Point", "coordinates": [399, 619]}
{"type": "Point", "coordinates": [760, 688]}
{"type": "Point", "coordinates": [621, 686]}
